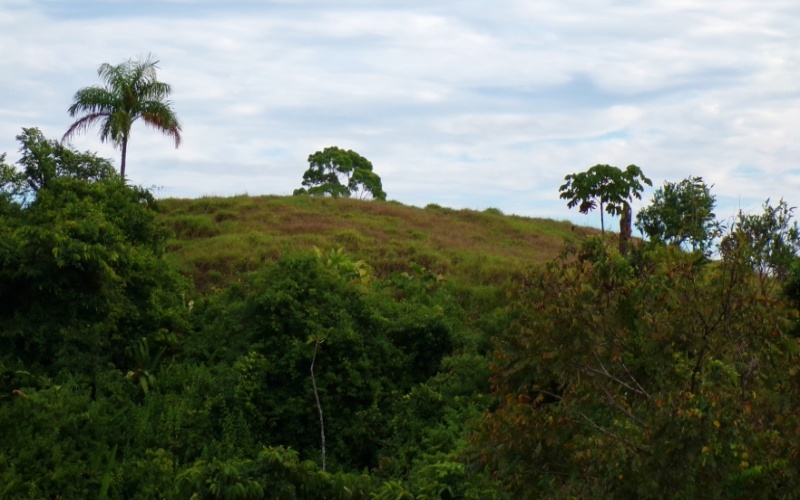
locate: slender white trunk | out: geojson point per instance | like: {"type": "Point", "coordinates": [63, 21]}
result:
{"type": "Point", "coordinates": [319, 405]}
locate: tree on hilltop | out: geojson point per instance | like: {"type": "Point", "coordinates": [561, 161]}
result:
{"type": "Point", "coordinates": [335, 172]}
{"type": "Point", "coordinates": [681, 213]}
{"type": "Point", "coordinates": [612, 187]}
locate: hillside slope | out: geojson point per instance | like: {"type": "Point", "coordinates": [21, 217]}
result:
{"type": "Point", "coordinates": [218, 238]}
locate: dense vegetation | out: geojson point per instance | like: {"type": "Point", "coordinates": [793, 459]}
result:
{"type": "Point", "coordinates": [319, 347]}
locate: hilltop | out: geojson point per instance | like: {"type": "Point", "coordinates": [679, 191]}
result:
{"type": "Point", "coordinates": [217, 238]}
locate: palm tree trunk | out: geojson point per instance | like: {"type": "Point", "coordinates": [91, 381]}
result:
{"type": "Point", "coordinates": [124, 155]}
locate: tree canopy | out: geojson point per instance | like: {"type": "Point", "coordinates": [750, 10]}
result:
{"type": "Point", "coordinates": [44, 160]}
{"type": "Point", "coordinates": [681, 213]}
{"type": "Point", "coordinates": [612, 187]}
{"type": "Point", "coordinates": [81, 260]}
{"type": "Point", "coordinates": [770, 240]}
{"type": "Point", "coordinates": [630, 378]}
{"type": "Point", "coordinates": [336, 172]}
{"type": "Point", "coordinates": [131, 92]}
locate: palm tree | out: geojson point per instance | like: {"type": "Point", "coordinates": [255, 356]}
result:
{"type": "Point", "coordinates": [131, 92]}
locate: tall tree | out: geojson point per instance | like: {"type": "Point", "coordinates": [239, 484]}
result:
{"type": "Point", "coordinates": [131, 92]}
{"type": "Point", "coordinates": [336, 172]}
{"type": "Point", "coordinates": [612, 187]}
{"type": "Point", "coordinates": [681, 213]}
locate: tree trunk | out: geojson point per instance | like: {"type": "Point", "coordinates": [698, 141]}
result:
{"type": "Point", "coordinates": [625, 229]}
{"type": "Point", "coordinates": [124, 155]}
{"type": "Point", "coordinates": [602, 222]}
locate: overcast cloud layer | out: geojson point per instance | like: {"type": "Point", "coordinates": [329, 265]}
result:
{"type": "Point", "coordinates": [462, 103]}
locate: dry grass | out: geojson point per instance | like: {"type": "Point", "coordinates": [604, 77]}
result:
{"type": "Point", "coordinates": [218, 238]}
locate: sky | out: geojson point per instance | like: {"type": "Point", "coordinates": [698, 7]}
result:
{"type": "Point", "coordinates": [466, 104]}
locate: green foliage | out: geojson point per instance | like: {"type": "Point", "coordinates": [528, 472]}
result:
{"type": "Point", "coordinates": [622, 381]}
{"type": "Point", "coordinates": [12, 189]}
{"type": "Point", "coordinates": [81, 267]}
{"type": "Point", "coordinates": [493, 211]}
{"type": "Point", "coordinates": [52, 434]}
{"type": "Point", "coordinates": [611, 376]}
{"type": "Point", "coordinates": [358, 271]}
{"type": "Point", "coordinates": [770, 241]}
{"type": "Point", "coordinates": [681, 213]}
{"type": "Point", "coordinates": [45, 160]}
{"type": "Point", "coordinates": [336, 172]}
{"type": "Point", "coordinates": [146, 364]}
{"type": "Point", "coordinates": [150, 407]}
{"type": "Point", "coordinates": [429, 421]}
{"type": "Point", "coordinates": [106, 391]}
{"type": "Point", "coordinates": [131, 92]}
{"type": "Point", "coordinates": [369, 347]}
{"type": "Point", "coordinates": [791, 290]}
{"type": "Point", "coordinates": [275, 473]}
{"type": "Point", "coordinates": [614, 188]}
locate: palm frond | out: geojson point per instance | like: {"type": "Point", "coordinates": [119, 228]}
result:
{"type": "Point", "coordinates": [92, 100]}
{"type": "Point", "coordinates": [83, 124]}
{"type": "Point", "coordinates": [155, 91]}
{"type": "Point", "coordinates": [159, 116]}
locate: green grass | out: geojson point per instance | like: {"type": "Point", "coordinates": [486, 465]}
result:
{"type": "Point", "coordinates": [217, 239]}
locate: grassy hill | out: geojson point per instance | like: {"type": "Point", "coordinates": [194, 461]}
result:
{"type": "Point", "coordinates": [217, 238]}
